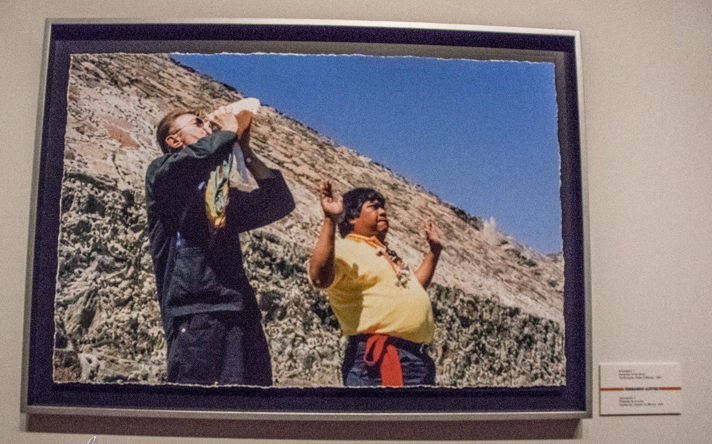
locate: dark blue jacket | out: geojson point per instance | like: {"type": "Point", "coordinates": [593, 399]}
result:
{"type": "Point", "coordinates": [198, 271]}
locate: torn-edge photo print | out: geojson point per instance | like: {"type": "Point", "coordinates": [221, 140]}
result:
{"type": "Point", "coordinates": [285, 220]}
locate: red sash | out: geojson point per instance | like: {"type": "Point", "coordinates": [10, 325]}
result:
{"type": "Point", "coordinates": [391, 372]}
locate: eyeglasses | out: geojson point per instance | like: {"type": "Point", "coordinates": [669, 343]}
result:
{"type": "Point", "coordinates": [196, 122]}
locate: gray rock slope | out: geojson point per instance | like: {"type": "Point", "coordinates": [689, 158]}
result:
{"type": "Point", "coordinates": [497, 304]}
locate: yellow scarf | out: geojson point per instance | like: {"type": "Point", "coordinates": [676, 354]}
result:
{"type": "Point", "coordinates": [216, 195]}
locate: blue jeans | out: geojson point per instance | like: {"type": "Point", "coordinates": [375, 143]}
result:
{"type": "Point", "coordinates": [417, 366]}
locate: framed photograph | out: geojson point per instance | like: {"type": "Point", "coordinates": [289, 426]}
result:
{"type": "Point", "coordinates": [473, 139]}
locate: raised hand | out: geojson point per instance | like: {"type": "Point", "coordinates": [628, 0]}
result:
{"type": "Point", "coordinates": [244, 122]}
{"type": "Point", "coordinates": [433, 235]}
{"type": "Point", "coordinates": [333, 207]}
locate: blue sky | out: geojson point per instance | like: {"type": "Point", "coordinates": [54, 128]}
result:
{"type": "Point", "coordinates": [482, 135]}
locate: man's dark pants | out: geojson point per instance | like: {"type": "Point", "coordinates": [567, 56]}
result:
{"type": "Point", "coordinates": [219, 348]}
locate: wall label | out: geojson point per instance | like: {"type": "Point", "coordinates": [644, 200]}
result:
{"type": "Point", "coordinates": [645, 388]}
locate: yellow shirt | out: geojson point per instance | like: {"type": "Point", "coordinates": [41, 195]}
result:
{"type": "Point", "coordinates": [368, 296]}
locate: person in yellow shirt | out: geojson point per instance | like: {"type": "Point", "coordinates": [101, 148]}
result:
{"type": "Point", "coordinates": [380, 303]}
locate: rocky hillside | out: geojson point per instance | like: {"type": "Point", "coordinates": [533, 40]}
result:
{"type": "Point", "coordinates": [498, 304]}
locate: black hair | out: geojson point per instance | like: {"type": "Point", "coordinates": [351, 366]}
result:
{"type": "Point", "coordinates": [353, 201]}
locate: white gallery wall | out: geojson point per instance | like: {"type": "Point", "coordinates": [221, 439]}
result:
{"type": "Point", "coordinates": [647, 75]}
